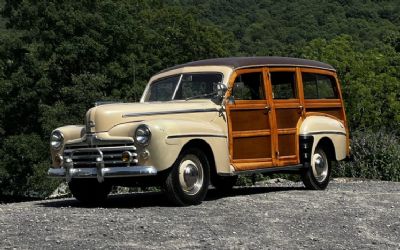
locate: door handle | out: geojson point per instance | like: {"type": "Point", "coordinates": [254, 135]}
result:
{"type": "Point", "coordinates": [267, 109]}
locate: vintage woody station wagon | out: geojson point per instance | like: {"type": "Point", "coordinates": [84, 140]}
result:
{"type": "Point", "coordinates": [206, 122]}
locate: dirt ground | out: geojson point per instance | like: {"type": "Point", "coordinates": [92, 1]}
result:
{"type": "Point", "coordinates": [348, 215]}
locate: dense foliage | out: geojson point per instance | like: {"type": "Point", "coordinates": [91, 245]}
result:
{"type": "Point", "coordinates": [376, 156]}
{"type": "Point", "coordinates": [58, 57]}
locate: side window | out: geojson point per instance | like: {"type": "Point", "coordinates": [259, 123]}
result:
{"type": "Point", "coordinates": [317, 86]}
{"type": "Point", "coordinates": [326, 87]}
{"type": "Point", "coordinates": [249, 86]}
{"type": "Point", "coordinates": [310, 86]}
{"type": "Point", "coordinates": [283, 85]}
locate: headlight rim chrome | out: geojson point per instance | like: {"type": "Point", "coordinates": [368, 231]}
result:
{"type": "Point", "coordinates": [60, 141]}
{"type": "Point", "coordinates": [147, 130]}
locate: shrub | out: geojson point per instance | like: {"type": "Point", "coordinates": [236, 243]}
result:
{"type": "Point", "coordinates": [376, 155]}
{"type": "Point", "coordinates": [23, 169]}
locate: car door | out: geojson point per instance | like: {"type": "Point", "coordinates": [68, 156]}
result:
{"type": "Point", "coordinates": [286, 109]}
{"type": "Point", "coordinates": [249, 121]}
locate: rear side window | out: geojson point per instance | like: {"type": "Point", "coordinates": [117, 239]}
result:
{"type": "Point", "coordinates": [317, 86]}
{"type": "Point", "coordinates": [283, 85]}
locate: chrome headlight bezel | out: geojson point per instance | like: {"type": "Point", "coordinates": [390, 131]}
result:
{"type": "Point", "coordinates": [56, 140]}
{"type": "Point", "coordinates": [142, 135]}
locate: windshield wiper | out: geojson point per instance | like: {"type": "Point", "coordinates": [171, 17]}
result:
{"type": "Point", "coordinates": [202, 95]}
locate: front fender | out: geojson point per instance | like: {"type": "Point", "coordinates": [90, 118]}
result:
{"type": "Point", "coordinates": [170, 136]}
{"type": "Point", "coordinates": [70, 133]}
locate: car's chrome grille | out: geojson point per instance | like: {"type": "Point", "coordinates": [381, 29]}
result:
{"type": "Point", "coordinates": [110, 155]}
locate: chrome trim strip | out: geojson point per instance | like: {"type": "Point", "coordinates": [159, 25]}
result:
{"type": "Point", "coordinates": [195, 135]}
{"type": "Point", "coordinates": [113, 172]}
{"type": "Point", "coordinates": [103, 149]}
{"type": "Point", "coordinates": [92, 140]}
{"type": "Point", "coordinates": [171, 112]}
{"type": "Point", "coordinates": [325, 132]}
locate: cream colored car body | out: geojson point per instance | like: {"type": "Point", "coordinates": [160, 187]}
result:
{"type": "Point", "coordinates": [326, 127]}
{"type": "Point", "coordinates": [172, 124]}
{"type": "Point", "coordinates": [176, 123]}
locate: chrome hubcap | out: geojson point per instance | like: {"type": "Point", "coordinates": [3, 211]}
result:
{"type": "Point", "coordinates": [191, 174]}
{"type": "Point", "coordinates": [320, 166]}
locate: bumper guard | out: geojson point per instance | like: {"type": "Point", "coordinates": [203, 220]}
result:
{"type": "Point", "coordinates": [101, 173]}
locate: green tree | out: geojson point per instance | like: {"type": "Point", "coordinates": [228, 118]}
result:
{"type": "Point", "coordinates": [371, 84]}
{"type": "Point", "coordinates": [58, 57]}
{"type": "Point", "coordinates": [61, 56]}
{"type": "Point", "coordinates": [370, 81]}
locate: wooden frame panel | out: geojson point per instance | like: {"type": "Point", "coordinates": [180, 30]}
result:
{"type": "Point", "coordinates": [284, 116]}
{"type": "Point", "coordinates": [243, 135]}
{"type": "Point", "coordinates": [322, 106]}
{"type": "Point", "coordinates": [287, 113]}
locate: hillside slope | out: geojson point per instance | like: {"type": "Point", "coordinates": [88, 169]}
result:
{"type": "Point", "coordinates": [277, 26]}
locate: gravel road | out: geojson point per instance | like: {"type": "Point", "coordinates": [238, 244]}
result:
{"type": "Point", "coordinates": [348, 215]}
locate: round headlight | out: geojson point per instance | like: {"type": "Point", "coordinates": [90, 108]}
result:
{"type": "Point", "coordinates": [142, 135]}
{"type": "Point", "coordinates": [56, 140]}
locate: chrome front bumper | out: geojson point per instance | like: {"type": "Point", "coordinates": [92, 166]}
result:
{"type": "Point", "coordinates": [101, 173]}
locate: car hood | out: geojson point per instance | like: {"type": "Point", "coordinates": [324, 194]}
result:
{"type": "Point", "coordinates": [104, 117]}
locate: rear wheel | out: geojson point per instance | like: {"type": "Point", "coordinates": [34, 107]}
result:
{"type": "Point", "coordinates": [89, 191]}
{"type": "Point", "coordinates": [317, 176]}
{"type": "Point", "coordinates": [187, 182]}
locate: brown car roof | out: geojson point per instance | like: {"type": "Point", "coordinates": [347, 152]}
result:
{"type": "Point", "coordinates": [249, 62]}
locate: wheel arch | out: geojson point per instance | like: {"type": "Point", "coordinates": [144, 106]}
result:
{"type": "Point", "coordinates": [325, 131]}
{"type": "Point", "coordinates": [327, 145]}
{"type": "Point", "coordinates": [206, 149]}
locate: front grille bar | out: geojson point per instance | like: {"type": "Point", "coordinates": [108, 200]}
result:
{"type": "Point", "coordinates": [98, 158]}
{"type": "Point", "coordinates": [103, 149]}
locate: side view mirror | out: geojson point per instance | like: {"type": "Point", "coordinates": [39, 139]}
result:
{"type": "Point", "coordinates": [221, 90]}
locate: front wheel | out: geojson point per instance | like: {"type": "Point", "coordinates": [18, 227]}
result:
{"type": "Point", "coordinates": [188, 180]}
{"type": "Point", "coordinates": [89, 191]}
{"type": "Point", "coordinates": [317, 176]}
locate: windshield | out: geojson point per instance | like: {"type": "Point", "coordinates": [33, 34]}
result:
{"type": "Point", "coordinates": [184, 86]}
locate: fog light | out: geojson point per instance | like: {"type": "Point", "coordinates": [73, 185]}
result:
{"type": "Point", "coordinates": [127, 156]}
{"type": "Point", "coordinates": [58, 159]}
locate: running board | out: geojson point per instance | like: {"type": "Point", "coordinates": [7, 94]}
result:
{"type": "Point", "coordinates": [287, 169]}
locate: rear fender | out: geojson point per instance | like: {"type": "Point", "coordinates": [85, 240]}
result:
{"type": "Point", "coordinates": [320, 127]}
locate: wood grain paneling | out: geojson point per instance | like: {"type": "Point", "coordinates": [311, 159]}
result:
{"type": "Point", "coordinates": [249, 165]}
{"type": "Point", "coordinates": [287, 144]}
{"type": "Point", "coordinates": [336, 112]}
{"type": "Point", "coordinates": [264, 133]}
{"type": "Point", "coordinates": [252, 147]}
{"type": "Point", "coordinates": [287, 118]}
{"type": "Point", "coordinates": [243, 120]}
